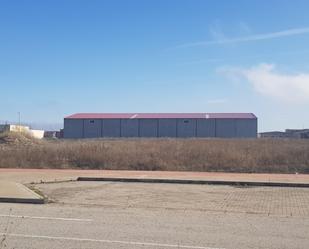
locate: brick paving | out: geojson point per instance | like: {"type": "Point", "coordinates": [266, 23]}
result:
{"type": "Point", "coordinates": [268, 201]}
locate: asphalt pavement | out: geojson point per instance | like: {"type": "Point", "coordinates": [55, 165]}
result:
{"type": "Point", "coordinates": [140, 215]}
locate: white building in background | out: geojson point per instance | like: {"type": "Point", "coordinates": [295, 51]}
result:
{"type": "Point", "coordinates": [22, 128]}
{"type": "Point", "coordinates": [37, 133]}
{"type": "Point", "coordinates": [9, 127]}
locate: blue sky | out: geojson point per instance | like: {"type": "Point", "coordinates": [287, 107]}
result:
{"type": "Point", "coordinates": [63, 57]}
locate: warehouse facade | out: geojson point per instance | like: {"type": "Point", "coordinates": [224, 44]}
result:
{"type": "Point", "coordinates": [182, 125]}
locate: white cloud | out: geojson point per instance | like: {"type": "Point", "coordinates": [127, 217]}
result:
{"type": "Point", "coordinates": [265, 36]}
{"type": "Point", "coordinates": [269, 82]}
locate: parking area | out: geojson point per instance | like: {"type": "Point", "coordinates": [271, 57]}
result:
{"type": "Point", "coordinates": [259, 200]}
{"type": "Point", "coordinates": [144, 215]}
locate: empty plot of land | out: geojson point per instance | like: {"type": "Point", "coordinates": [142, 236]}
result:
{"type": "Point", "coordinates": [203, 155]}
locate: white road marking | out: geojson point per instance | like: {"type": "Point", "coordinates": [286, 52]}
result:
{"type": "Point", "coordinates": [43, 218]}
{"type": "Point", "coordinates": [105, 241]}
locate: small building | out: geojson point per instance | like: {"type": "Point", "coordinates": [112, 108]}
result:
{"type": "Point", "coordinates": [273, 134]}
{"type": "Point", "coordinates": [297, 133]}
{"type": "Point", "coordinates": [54, 134]}
{"type": "Point", "coordinates": [11, 127]}
{"type": "Point", "coordinates": [288, 133]}
{"type": "Point", "coordinates": [174, 125]}
{"type": "Point", "coordinates": [50, 134]}
{"type": "Point", "coordinates": [22, 128]}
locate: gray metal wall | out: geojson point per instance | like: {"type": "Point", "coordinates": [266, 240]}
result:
{"type": "Point", "coordinates": [225, 128]}
{"type": "Point", "coordinates": [206, 128]}
{"type": "Point", "coordinates": [186, 127]}
{"type": "Point", "coordinates": [222, 128]}
{"type": "Point", "coordinates": [129, 128]}
{"type": "Point", "coordinates": [92, 128]}
{"type": "Point", "coordinates": [236, 128]}
{"type": "Point", "coordinates": [167, 127]}
{"type": "Point", "coordinates": [148, 127]}
{"type": "Point", "coordinates": [111, 128]}
{"type": "Point", "coordinates": [246, 128]}
{"type": "Point", "coordinates": [73, 128]}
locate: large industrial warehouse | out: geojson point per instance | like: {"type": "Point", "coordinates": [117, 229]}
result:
{"type": "Point", "coordinates": [200, 125]}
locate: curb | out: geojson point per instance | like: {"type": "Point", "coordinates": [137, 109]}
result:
{"type": "Point", "coordinates": [37, 199]}
{"type": "Point", "coordinates": [209, 182]}
{"type": "Point", "coordinates": [21, 200]}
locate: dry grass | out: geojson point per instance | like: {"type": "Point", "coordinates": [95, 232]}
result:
{"type": "Point", "coordinates": [256, 155]}
{"type": "Point", "coordinates": [17, 138]}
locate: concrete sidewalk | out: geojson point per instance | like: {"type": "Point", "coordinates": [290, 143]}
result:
{"type": "Point", "coordinates": [18, 193]}
{"type": "Point", "coordinates": [48, 175]}
{"type": "Point", "coordinates": [12, 190]}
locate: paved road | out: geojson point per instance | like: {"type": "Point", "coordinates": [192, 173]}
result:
{"type": "Point", "coordinates": [128, 215]}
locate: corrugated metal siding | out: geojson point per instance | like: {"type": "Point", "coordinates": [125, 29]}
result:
{"type": "Point", "coordinates": [246, 128]}
{"type": "Point", "coordinates": [186, 127]}
{"type": "Point", "coordinates": [167, 127]}
{"type": "Point", "coordinates": [206, 128]}
{"type": "Point", "coordinates": [92, 128]}
{"type": "Point", "coordinates": [129, 128]}
{"type": "Point", "coordinates": [111, 128]}
{"type": "Point", "coordinates": [163, 127]}
{"type": "Point", "coordinates": [73, 128]}
{"type": "Point", "coordinates": [148, 127]}
{"type": "Point", "coordinates": [225, 128]}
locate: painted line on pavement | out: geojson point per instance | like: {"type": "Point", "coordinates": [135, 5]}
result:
{"type": "Point", "coordinates": [105, 241]}
{"type": "Point", "coordinates": [43, 218]}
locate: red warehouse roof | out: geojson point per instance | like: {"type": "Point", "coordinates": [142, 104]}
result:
{"type": "Point", "coordinates": [161, 115]}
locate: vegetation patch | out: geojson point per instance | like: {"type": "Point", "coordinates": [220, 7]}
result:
{"type": "Point", "coordinates": [220, 155]}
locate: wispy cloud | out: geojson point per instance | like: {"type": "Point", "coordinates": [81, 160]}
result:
{"type": "Point", "coordinates": [257, 37]}
{"type": "Point", "coordinates": [293, 88]}
{"type": "Point", "coordinates": [258, 56]}
{"type": "Point", "coordinates": [216, 32]}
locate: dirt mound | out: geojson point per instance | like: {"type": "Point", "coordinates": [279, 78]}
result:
{"type": "Point", "coordinates": [17, 138]}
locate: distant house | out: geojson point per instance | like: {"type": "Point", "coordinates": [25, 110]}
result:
{"type": "Point", "coordinates": [10, 127]}
{"type": "Point", "coordinates": [22, 128]}
{"type": "Point", "coordinates": [50, 134]}
{"type": "Point", "coordinates": [297, 133]}
{"type": "Point", "coordinates": [273, 134]}
{"type": "Point", "coordinates": [288, 133]}
{"type": "Point", "coordinates": [53, 134]}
